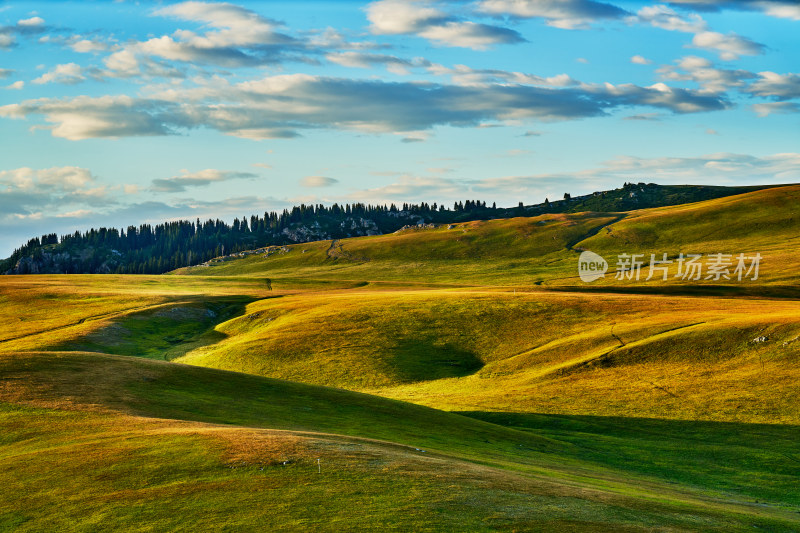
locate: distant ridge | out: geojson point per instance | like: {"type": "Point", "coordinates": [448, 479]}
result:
{"type": "Point", "coordinates": [157, 249]}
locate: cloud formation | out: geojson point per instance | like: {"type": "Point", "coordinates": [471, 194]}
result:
{"type": "Point", "coordinates": [27, 192]}
{"type": "Point", "coordinates": [463, 75]}
{"type": "Point", "coordinates": [421, 18]}
{"type": "Point", "coordinates": [393, 64]}
{"type": "Point", "coordinates": [68, 74]}
{"type": "Point", "coordinates": [661, 16]}
{"type": "Point", "coordinates": [318, 181]}
{"type": "Point", "coordinates": [703, 72]}
{"type": "Point", "coordinates": [778, 86]}
{"type": "Point", "coordinates": [234, 37]}
{"type": "Point", "coordinates": [776, 108]}
{"type": "Point", "coordinates": [729, 46]}
{"type": "Point", "coordinates": [565, 14]}
{"type": "Point", "coordinates": [25, 27]}
{"type": "Point", "coordinates": [282, 106]}
{"type": "Point", "coordinates": [201, 178]}
{"type": "Point", "coordinates": [788, 9]}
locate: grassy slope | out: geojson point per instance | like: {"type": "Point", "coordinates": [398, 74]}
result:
{"type": "Point", "coordinates": [543, 249]}
{"type": "Point", "coordinates": [610, 355]}
{"type": "Point", "coordinates": [70, 427]}
{"type": "Point", "coordinates": [766, 221]}
{"type": "Point", "coordinates": [362, 314]}
{"type": "Point", "coordinates": [522, 249]}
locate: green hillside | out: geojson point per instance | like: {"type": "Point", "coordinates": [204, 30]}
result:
{"type": "Point", "coordinates": [543, 250]}
{"type": "Point", "coordinates": [72, 420]}
{"type": "Point", "coordinates": [452, 378]}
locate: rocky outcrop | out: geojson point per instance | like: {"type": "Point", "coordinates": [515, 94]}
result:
{"type": "Point", "coordinates": [95, 262]}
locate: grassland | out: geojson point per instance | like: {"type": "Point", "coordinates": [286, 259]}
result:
{"type": "Point", "coordinates": [450, 379]}
{"type": "Point", "coordinates": [165, 446]}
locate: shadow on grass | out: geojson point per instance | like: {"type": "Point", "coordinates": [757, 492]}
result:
{"type": "Point", "coordinates": [423, 358]}
{"type": "Point", "coordinates": [164, 333]}
{"type": "Point", "coordinates": [757, 462]}
{"type": "Point", "coordinates": [730, 291]}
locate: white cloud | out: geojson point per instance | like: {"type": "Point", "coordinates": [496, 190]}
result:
{"type": "Point", "coordinates": [640, 60]}
{"type": "Point", "coordinates": [397, 17]}
{"type": "Point", "coordinates": [779, 108]}
{"type": "Point", "coordinates": [281, 106]}
{"type": "Point", "coordinates": [235, 37]}
{"type": "Point", "coordinates": [469, 35]}
{"type": "Point", "coordinates": [78, 213]}
{"type": "Point", "coordinates": [318, 181]}
{"type": "Point", "coordinates": [661, 16]}
{"type": "Point", "coordinates": [85, 46]}
{"type": "Point", "coordinates": [466, 76]}
{"type": "Point", "coordinates": [59, 178]}
{"type": "Point", "coordinates": [788, 9]}
{"type": "Point", "coordinates": [85, 117]}
{"type": "Point", "coordinates": [705, 74]}
{"type": "Point", "coordinates": [69, 73]}
{"type": "Point", "coordinates": [780, 86]}
{"type": "Point", "coordinates": [781, 9]}
{"type": "Point", "coordinates": [234, 25]}
{"type": "Point", "coordinates": [419, 17]}
{"type": "Point", "coordinates": [363, 60]}
{"type": "Point", "coordinates": [33, 21]}
{"type": "Point", "coordinates": [17, 85]}
{"type": "Point", "coordinates": [25, 191]}
{"type": "Point", "coordinates": [24, 27]}
{"type": "Point", "coordinates": [7, 40]}
{"type": "Point", "coordinates": [197, 179]}
{"type": "Point", "coordinates": [729, 47]}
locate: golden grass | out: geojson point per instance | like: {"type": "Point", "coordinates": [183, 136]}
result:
{"type": "Point", "coordinates": [457, 319]}
{"type": "Point", "coordinates": [604, 354]}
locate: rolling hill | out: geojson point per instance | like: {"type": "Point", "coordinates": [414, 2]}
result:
{"type": "Point", "coordinates": [168, 446]}
{"type": "Point", "coordinates": [452, 378]}
{"type": "Point", "coordinates": [543, 250]}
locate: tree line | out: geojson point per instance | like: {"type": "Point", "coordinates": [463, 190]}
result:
{"type": "Point", "coordinates": [155, 249]}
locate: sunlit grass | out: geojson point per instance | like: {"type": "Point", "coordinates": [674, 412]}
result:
{"type": "Point", "coordinates": [80, 452]}
{"type": "Point", "coordinates": [610, 406]}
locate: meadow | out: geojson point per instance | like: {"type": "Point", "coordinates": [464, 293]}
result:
{"type": "Point", "coordinates": [455, 378]}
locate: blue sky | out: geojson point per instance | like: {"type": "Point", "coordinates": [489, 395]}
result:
{"type": "Point", "coordinates": [128, 112]}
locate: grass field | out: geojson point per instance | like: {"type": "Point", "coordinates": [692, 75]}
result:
{"type": "Point", "coordinates": [147, 438]}
{"type": "Point", "coordinates": [446, 379]}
